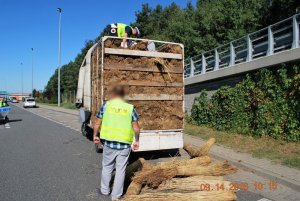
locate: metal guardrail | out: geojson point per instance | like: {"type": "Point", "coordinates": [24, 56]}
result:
{"type": "Point", "coordinates": [278, 37]}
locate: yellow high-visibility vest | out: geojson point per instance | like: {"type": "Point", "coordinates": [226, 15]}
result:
{"type": "Point", "coordinates": [121, 29]}
{"type": "Point", "coordinates": [117, 122]}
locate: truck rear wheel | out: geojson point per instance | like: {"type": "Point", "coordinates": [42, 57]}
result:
{"type": "Point", "coordinates": [83, 129]}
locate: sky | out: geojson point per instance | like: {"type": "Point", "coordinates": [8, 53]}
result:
{"type": "Point", "coordinates": [26, 24]}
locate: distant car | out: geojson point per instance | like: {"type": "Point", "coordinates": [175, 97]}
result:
{"type": "Point", "coordinates": [14, 100]}
{"type": "Point", "coordinates": [29, 102]}
{"type": "Point", "coordinates": [8, 100]}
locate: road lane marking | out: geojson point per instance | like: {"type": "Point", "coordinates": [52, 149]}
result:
{"type": "Point", "coordinates": [264, 199]}
{"type": "Point", "coordinates": [48, 118]}
{"type": "Point", "coordinates": [7, 125]}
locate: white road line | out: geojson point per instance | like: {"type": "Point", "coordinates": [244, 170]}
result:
{"type": "Point", "coordinates": [264, 199]}
{"type": "Point", "coordinates": [7, 125]}
{"type": "Point", "coordinates": [48, 118]}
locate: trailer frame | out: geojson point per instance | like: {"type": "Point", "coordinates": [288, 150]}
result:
{"type": "Point", "coordinates": [150, 139]}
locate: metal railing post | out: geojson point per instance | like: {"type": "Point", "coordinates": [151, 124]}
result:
{"type": "Point", "coordinates": [217, 60]}
{"type": "Point", "coordinates": [249, 48]}
{"type": "Point", "coordinates": [192, 68]}
{"type": "Point", "coordinates": [270, 42]}
{"type": "Point", "coordinates": [295, 33]}
{"type": "Point", "coordinates": [203, 71]}
{"type": "Point", "coordinates": [232, 55]}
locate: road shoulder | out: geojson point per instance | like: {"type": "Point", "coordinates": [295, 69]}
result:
{"type": "Point", "coordinates": [59, 109]}
{"type": "Point", "coordinates": [263, 167]}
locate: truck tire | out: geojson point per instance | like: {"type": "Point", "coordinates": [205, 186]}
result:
{"type": "Point", "coordinates": [83, 130]}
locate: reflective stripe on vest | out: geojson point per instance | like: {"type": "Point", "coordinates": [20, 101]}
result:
{"type": "Point", "coordinates": [117, 122]}
{"type": "Point", "coordinates": [121, 29]}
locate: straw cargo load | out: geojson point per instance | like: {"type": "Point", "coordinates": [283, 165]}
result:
{"type": "Point", "coordinates": [153, 82]}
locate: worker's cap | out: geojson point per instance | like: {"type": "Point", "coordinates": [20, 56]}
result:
{"type": "Point", "coordinates": [137, 31]}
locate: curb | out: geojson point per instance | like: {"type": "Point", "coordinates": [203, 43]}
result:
{"type": "Point", "coordinates": [258, 171]}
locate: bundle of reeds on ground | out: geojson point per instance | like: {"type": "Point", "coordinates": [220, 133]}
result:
{"type": "Point", "coordinates": [195, 196]}
{"type": "Point", "coordinates": [183, 179]}
{"type": "Point", "coordinates": [202, 151]}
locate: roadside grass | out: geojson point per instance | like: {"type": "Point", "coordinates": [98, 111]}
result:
{"type": "Point", "coordinates": [66, 105]}
{"type": "Point", "coordinates": [285, 153]}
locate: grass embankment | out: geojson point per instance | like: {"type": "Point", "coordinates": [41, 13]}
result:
{"type": "Point", "coordinates": [66, 105]}
{"type": "Point", "coordinates": [286, 153]}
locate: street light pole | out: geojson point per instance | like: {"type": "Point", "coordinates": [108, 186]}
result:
{"type": "Point", "coordinates": [22, 79]}
{"type": "Point", "coordinates": [32, 72]}
{"type": "Point", "coordinates": [59, 47]}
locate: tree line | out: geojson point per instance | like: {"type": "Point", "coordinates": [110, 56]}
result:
{"type": "Point", "coordinates": [201, 27]}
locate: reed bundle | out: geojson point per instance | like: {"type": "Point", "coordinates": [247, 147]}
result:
{"type": "Point", "coordinates": [155, 176]}
{"type": "Point", "coordinates": [195, 196]}
{"type": "Point", "coordinates": [182, 179]}
{"type": "Point", "coordinates": [202, 151]}
{"type": "Point", "coordinates": [190, 184]}
{"type": "Point", "coordinates": [135, 188]}
{"type": "Point", "coordinates": [198, 161]}
{"type": "Point", "coordinates": [218, 169]}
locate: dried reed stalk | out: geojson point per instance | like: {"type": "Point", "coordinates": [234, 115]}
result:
{"type": "Point", "coordinates": [135, 188]}
{"type": "Point", "coordinates": [155, 176]}
{"type": "Point", "coordinates": [142, 45]}
{"type": "Point", "coordinates": [164, 64]}
{"type": "Point", "coordinates": [198, 161]}
{"type": "Point", "coordinates": [195, 196]}
{"type": "Point", "coordinates": [190, 184]}
{"type": "Point", "coordinates": [202, 151]}
{"type": "Point", "coordinates": [134, 167]}
{"type": "Point", "coordinates": [218, 169]}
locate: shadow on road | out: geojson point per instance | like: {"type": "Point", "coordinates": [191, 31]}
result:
{"type": "Point", "coordinates": [3, 122]}
{"type": "Point", "coordinates": [14, 120]}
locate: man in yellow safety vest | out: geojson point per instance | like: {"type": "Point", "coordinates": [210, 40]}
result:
{"type": "Point", "coordinates": [124, 31]}
{"type": "Point", "coordinates": [117, 123]}
{"type": "Point", "coordinates": [3, 102]}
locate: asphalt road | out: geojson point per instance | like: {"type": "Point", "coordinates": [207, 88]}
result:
{"type": "Point", "coordinates": [45, 160]}
{"type": "Point", "coordinates": [42, 160]}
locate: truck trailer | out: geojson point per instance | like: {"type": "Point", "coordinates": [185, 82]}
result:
{"type": "Point", "coordinates": [154, 83]}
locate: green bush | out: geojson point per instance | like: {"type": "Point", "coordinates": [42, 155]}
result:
{"type": "Point", "coordinates": [266, 103]}
{"type": "Point", "coordinates": [201, 113]}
